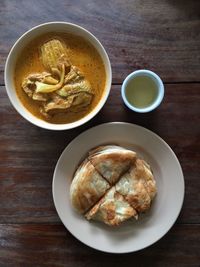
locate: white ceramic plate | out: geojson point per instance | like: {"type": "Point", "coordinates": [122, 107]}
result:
{"type": "Point", "coordinates": [132, 235]}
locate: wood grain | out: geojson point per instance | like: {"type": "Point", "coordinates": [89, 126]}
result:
{"type": "Point", "coordinates": [162, 36]}
{"type": "Point", "coordinates": [52, 245]}
{"type": "Point", "coordinates": [29, 154]}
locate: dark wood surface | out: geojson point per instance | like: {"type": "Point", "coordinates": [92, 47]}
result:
{"type": "Point", "coordinates": [160, 35]}
{"type": "Point", "coordinates": [51, 245]}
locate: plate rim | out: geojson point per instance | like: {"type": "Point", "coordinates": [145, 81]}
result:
{"type": "Point", "coordinates": [144, 129]}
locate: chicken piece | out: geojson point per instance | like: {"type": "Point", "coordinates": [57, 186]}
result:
{"type": "Point", "coordinates": [75, 95]}
{"type": "Point", "coordinates": [29, 85]}
{"type": "Point", "coordinates": [80, 101]}
{"type": "Point", "coordinates": [75, 88]}
{"type": "Point", "coordinates": [55, 59]}
{"type": "Point", "coordinates": [75, 82]}
{"type": "Point", "coordinates": [44, 77]}
{"type": "Point", "coordinates": [73, 76]}
{"type": "Point", "coordinates": [57, 104]}
{"type": "Point", "coordinates": [64, 88]}
{"type": "Point", "coordinates": [74, 103]}
{"type": "Point", "coordinates": [43, 88]}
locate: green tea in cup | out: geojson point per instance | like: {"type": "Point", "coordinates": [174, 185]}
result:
{"type": "Point", "coordinates": [142, 91]}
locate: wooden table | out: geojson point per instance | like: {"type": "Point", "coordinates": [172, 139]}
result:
{"type": "Point", "coordinates": [163, 36]}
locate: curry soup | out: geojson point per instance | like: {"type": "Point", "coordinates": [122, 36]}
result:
{"type": "Point", "coordinates": [82, 55]}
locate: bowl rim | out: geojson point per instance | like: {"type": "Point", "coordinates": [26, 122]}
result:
{"type": "Point", "coordinates": [160, 86]}
{"type": "Point", "coordinates": [25, 113]}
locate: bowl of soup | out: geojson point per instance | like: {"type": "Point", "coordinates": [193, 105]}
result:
{"type": "Point", "coordinates": [58, 75]}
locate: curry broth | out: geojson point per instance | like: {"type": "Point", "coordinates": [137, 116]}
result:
{"type": "Point", "coordinates": [82, 55]}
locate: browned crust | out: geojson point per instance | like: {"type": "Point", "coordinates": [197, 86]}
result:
{"type": "Point", "coordinates": [120, 162]}
{"type": "Point", "coordinates": [140, 202]}
{"type": "Point", "coordinates": [147, 177]}
{"type": "Point", "coordinates": [98, 149]}
{"type": "Point", "coordinates": [145, 188]}
{"type": "Point", "coordinates": [84, 195]}
{"type": "Point", "coordinates": [110, 210]}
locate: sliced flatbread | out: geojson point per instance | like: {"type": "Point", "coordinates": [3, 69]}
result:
{"type": "Point", "coordinates": [112, 161]}
{"type": "Point", "coordinates": [138, 186]}
{"type": "Point", "coordinates": [87, 187]}
{"type": "Point", "coordinates": [143, 171]}
{"type": "Point", "coordinates": [112, 209]}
